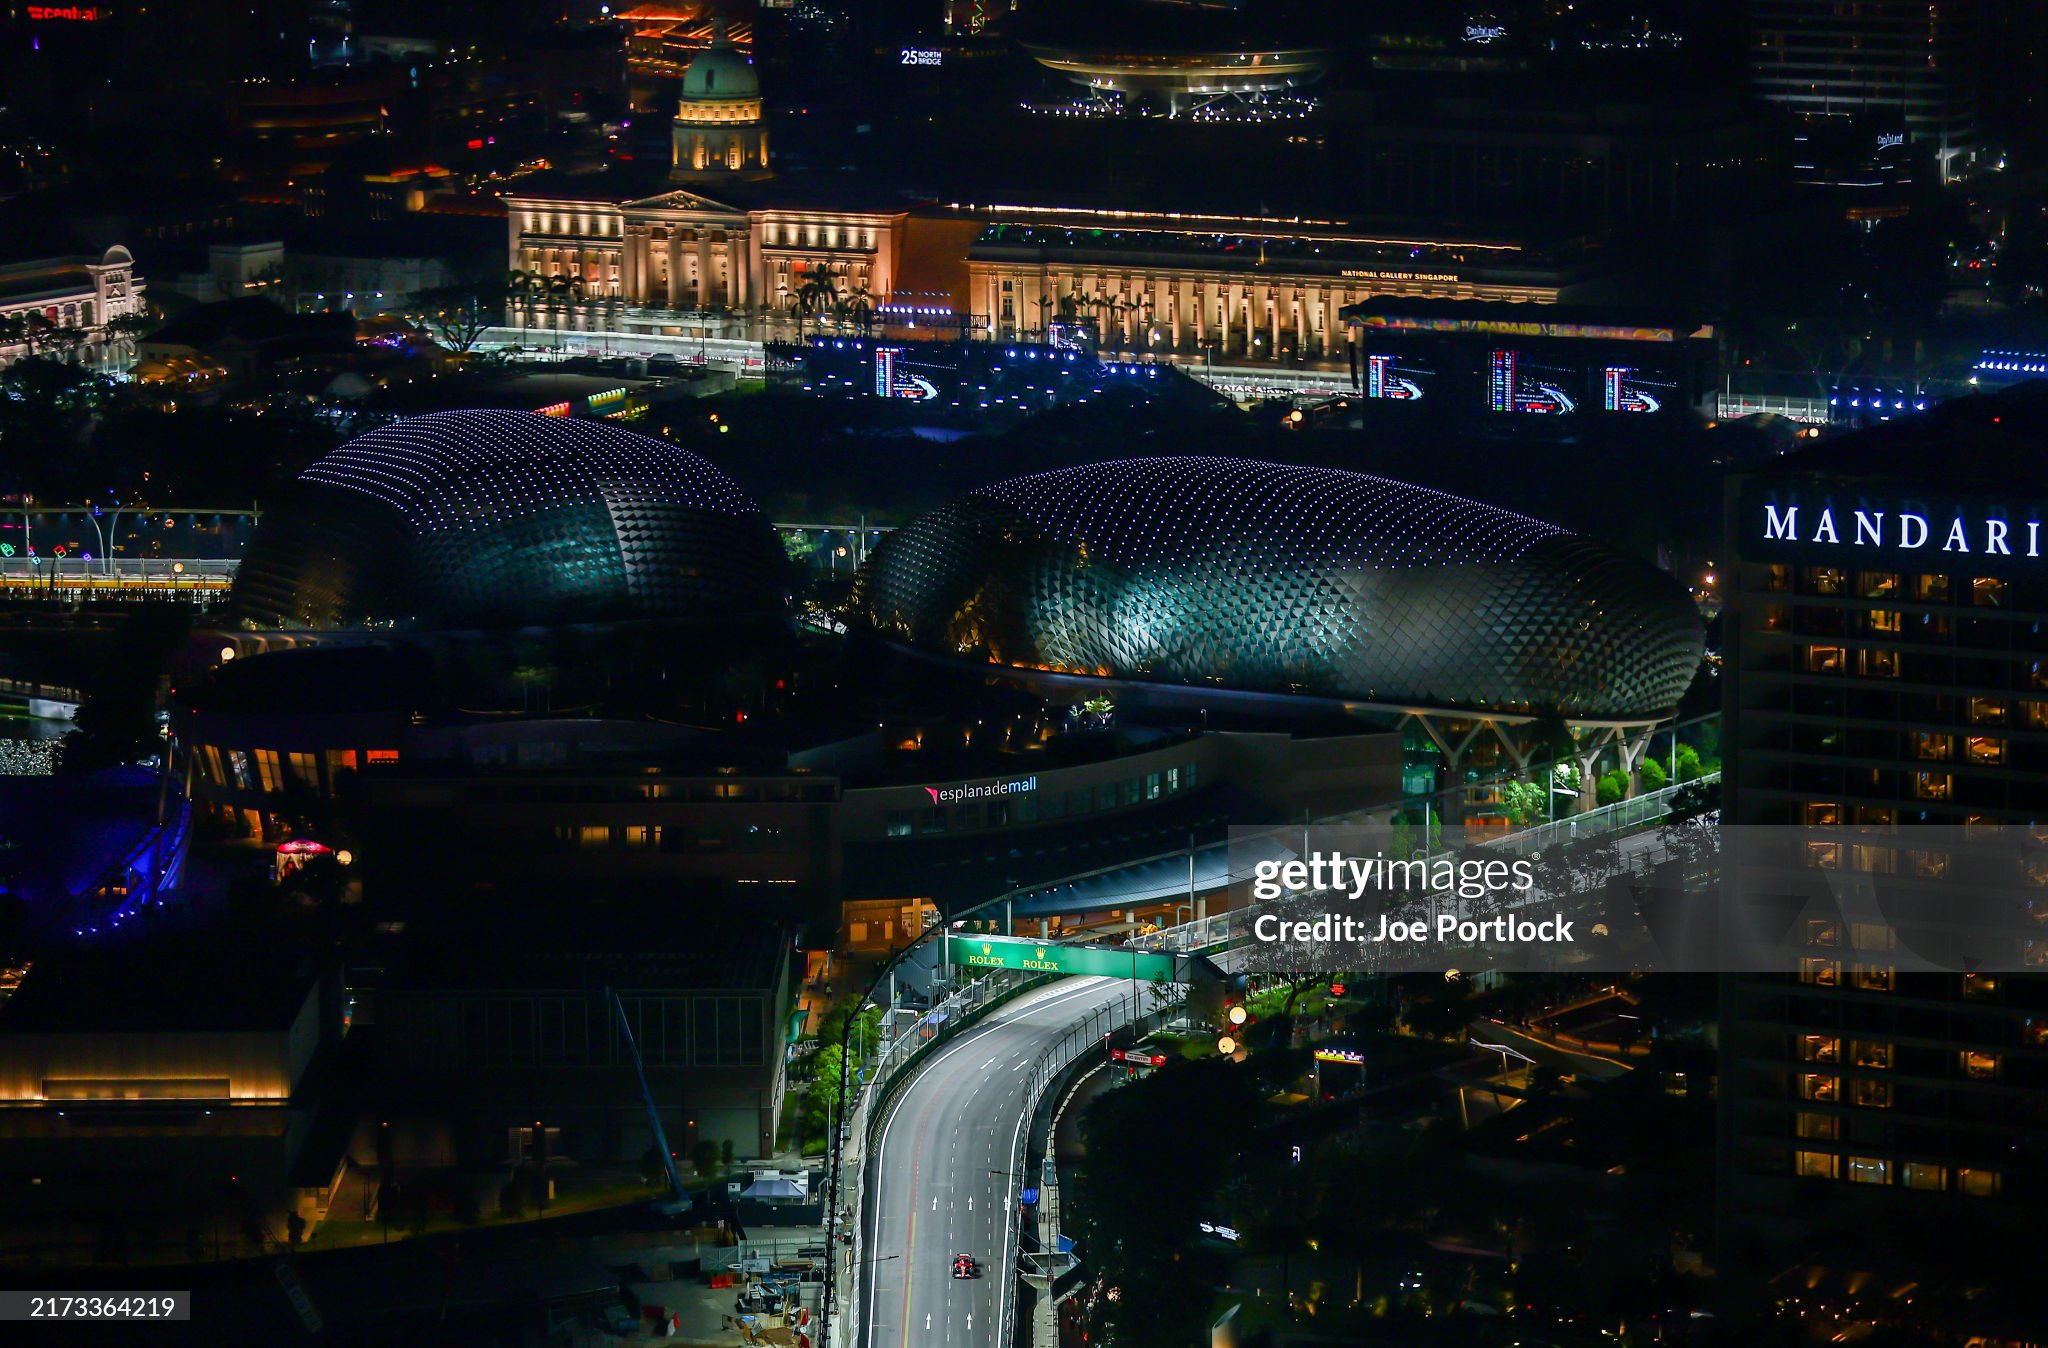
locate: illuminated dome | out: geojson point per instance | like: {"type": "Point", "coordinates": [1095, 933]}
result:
{"type": "Point", "coordinates": [492, 519]}
{"type": "Point", "coordinates": [720, 72]}
{"type": "Point", "coordinates": [1262, 577]}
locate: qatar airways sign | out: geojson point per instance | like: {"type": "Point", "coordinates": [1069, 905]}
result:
{"type": "Point", "coordinates": [1976, 533]}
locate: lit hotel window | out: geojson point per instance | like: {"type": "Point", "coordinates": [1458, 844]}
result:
{"type": "Point", "coordinates": [1980, 987]}
{"type": "Point", "coordinates": [2034, 714]}
{"type": "Point", "coordinates": [1824, 973]}
{"type": "Point", "coordinates": [1816, 1165]}
{"type": "Point", "coordinates": [1928, 865]}
{"type": "Point", "coordinates": [1824, 856]}
{"type": "Point", "coordinates": [1822, 813]}
{"type": "Point", "coordinates": [1822, 932]}
{"type": "Point", "coordinates": [1979, 1065]}
{"type": "Point", "coordinates": [1869, 1170]}
{"type": "Point", "coordinates": [1932, 785]}
{"type": "Point", "coordinates": [1824, 659]}
{"type": "Point", "coordinates": [1813, 1086]}
{"type": "Point", "coordinates": [1985, 710]}
{"type": "Point", "coordinates": [1877, 584]}
{"type": "Point", "coordinates": [1932, 746]}
{"type": "Point", "coordinates": [1819, 1048]}
{"type": "Point", "coordinates": [1984, 749]}
{"type": "Point", "coordinates": [1871, 1094]}
{"type": "Point", "coordinates": [1882, 620]}
{"type": "Point", "coordinates": [1824, 580]}
{"type": "Point", "coordinates": [1864, 1053]}
{"type": "Point", "coordinates": [1878, 664]}
{"type": "Point", "coordinates": [1777, 578]}
{"type": "Point", "coordinates": [1776, 618]}
{"type": "Point", "coordinates": [594, 836]}
{"type": "Point", "coordinates": [266, 766]}
{"type": "Point", "coordinates": [1876, 816]}
{"type": "Point", "coordinates": [1819, 1127]}
{"type": "Point", "coordinates": [1874, 977]}
{"type": "Point", "coordinates": [1977, 1183]}
{"type": "Point", "coordinates": [1931, 589]}
{"type": "Point", "coordinates": [1987, 593]}
{"type": "Point", "coordinates": [1924, 1175]}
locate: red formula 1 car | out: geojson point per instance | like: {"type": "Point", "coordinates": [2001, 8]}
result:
{"type": "Point", "coordinates": [965, 1267]}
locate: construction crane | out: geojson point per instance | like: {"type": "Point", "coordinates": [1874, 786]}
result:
{"type": "Point", "coordinates": [678, 1201]}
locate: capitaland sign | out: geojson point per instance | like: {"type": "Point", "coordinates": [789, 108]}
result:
{"type": "Point", "coordinates": [1016, 786]}
{"type": "Point", "coordinates": [1978, 533]}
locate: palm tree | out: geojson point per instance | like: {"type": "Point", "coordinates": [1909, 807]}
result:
{"type": "Point", "coordinates": [814, 296]}
{"type": "Point", "coordinates": [560, 290]}
{"type": "Point", "coordinates": [860, 305]}
{"type": "Point", "coordinates": [13, 329]}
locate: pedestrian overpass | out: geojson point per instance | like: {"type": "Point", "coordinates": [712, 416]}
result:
{"type": "Point", "coordinates": [980, 953]}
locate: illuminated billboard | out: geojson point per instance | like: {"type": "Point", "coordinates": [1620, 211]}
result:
{"type": "Point", "coordinates": [1395, 378]}
{"type": "Point", "coordinates": [1516, 383]}
{"type": "Point", "coordinates": [1626, 388]}
{"type": "Point", "coordinates": [898, 378]}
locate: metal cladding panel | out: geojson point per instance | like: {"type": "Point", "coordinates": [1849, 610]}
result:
{"type": "Point", "coordinates": [493, 518]}
{"type": "Point", "coordinates": [1273, 578]}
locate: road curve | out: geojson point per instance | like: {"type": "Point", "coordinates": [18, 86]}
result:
{"type": "Point", "coordinates": [939, 1187]}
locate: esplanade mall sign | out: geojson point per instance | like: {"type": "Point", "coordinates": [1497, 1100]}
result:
{"type": "Point", "coordinates": [1920, 531]}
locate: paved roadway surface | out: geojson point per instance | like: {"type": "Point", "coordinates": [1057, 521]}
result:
{"type": "Point", "coordinates": [934, 1193]}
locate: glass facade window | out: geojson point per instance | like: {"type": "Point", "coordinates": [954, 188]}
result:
{"type": "Point", "coordinates": [266, 768]}
{"type": "Point", "coordinates": [1777, 578]}
{"type": "Point", "coordinates": [1172, 780]}
{"type": "Point", "coordinates": [1977, 1182]}
{"type": "Point", "coordinates": [967, 816]}
{"type": "Point", "coordinates": [1933, 785]}
{"type": "Point", "coordinates": [1930, 589]}
{"type": "Point", "coordinates": [1818, 1127]}
{"type": "Point", "coordinates": [1878, 664]}
{"type": "Point", "coordinates": [1128, 791]}
{"type": "Point", "coordinates": [932, 819]}
{"type": "Point", "coordinates": [1151, 786]}
{"type": "Point", "coordinates": [1934, 746]}
{"type": "Point", "coordinates": [593, 836]}
{"type": "Point", "coordinates": [1984, 749]}
{"type": "Point", "coordinates": [1820, 1048]}
{"type": "Point", "coordinates": [1864, 1053]}
{"type": "Point", "coordinates": [896, 824]}
{"type": "Point", "coordinates": [1882, 620]}
{"type": "Point", "coordinates": [1877, 584]}
{"type": "Point", "coordinates": [1985, 710]}
{"type": "Point", "coordinates": [1986, 592]}
{"type": "Point", "coordinates": [1825, 580]}
{"type": "Point", "coordinates": [1979, 1065]}
{"type": "Point", "coordinates": [340, 761]}
{"type": "Point", "coordinates": [1824, 659]}
{"type": "Point", "coordinates": [998, 813]}
{"type": "Point", "coordinates": [1025, 811]}
{"type": "Point", "coordinates": [1924, 1175]}
{"type": "Point", "coordinates": [1823, 1089]}
{"type": "Point", "coordinates": [1816, 1165]}
{"type": "Point", "coordinates": [1869, 1170]}
{"type": "Point", "coordinates": [1105, 796]}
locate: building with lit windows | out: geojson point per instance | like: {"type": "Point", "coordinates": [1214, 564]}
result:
{"type": "Point", "coordinates": [1917, 62]}
{"type": "Point", "coordinates": [62, 306]}
{"type": "Point", "coordinates": [717, 129]}
{"type": "Point", "coordinates": [1887, 669]}
{"type": "Point", "coordinates": [1235, 287]}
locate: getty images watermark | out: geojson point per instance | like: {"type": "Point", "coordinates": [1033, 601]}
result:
{"type": "Point", "coordinates": [1828, 904]}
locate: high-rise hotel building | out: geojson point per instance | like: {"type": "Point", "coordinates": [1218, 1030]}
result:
{"type": "Point", "coordinates": [1886, 644]}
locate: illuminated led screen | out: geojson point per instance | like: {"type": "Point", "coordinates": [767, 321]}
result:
{"type": "Point", "coordinates": [1516, 383]}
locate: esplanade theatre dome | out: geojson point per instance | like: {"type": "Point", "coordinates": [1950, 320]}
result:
{"type": "Point", "coordinates": [1229, 573]}
{"type": "Point", "coordinates": [495, 519]}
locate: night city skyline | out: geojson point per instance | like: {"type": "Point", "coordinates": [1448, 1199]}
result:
{"type": "Point", "coordinates": [1024, 673]}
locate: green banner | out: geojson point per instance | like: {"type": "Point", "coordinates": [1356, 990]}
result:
{"type": "Point", "coordinates": [1052, 957]}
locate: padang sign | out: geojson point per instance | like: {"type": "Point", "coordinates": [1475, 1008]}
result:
{"type": "Point", "coordinates": [1911, 529]}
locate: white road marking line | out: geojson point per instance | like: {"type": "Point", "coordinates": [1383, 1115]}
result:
{"type": "Point", "coordinates": [970, 1204]}
{"type": "Point", "coordinates": [1018, 1068]}
{"type": "Point", "coordinates": [984, 1067]}
{"type": "Point", "coordinates": [935, 1202]}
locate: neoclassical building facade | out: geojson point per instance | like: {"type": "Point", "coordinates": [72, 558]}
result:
{"type": "Point", "coordinates": [726, 249]}
{"type": "Point", "coordinates": [72, 295]}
